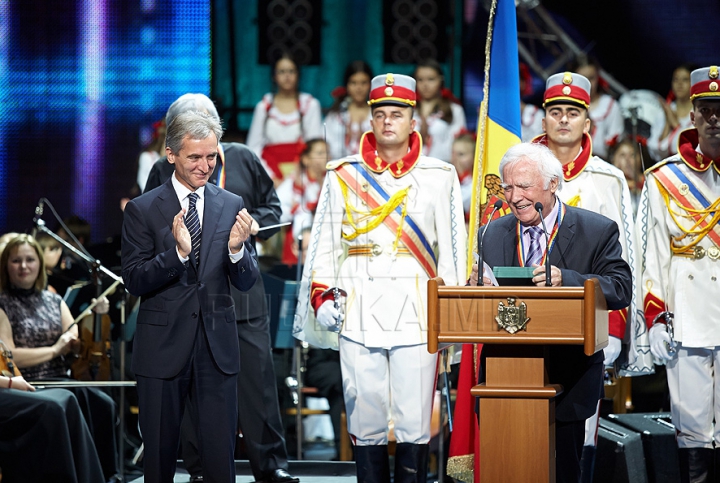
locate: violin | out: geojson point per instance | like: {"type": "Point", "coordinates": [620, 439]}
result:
{"type": "Point", "coordinates": [93, 361]}
{"type": "Point", "coordinates": [7, 365]}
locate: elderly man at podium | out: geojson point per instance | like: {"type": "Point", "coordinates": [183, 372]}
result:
{"type": "Point", "coordinates": [580, 245]}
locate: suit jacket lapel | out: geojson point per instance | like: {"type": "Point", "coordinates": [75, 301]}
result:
{"type": "Point", "coordinates": [562, 251]}
{"type": "Point", "coordinates": [168, 203]}
{"type": "Point", "coordinates": [211, 215]}
{"type": "Point", "coordinates": [509, 244]}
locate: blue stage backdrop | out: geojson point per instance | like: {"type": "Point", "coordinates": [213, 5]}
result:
{"type": "Point", "coordinates": [81, 83]}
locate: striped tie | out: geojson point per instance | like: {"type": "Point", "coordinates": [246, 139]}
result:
{"type": "Point", "coordinates": [534, 253]}
{"type": "Point", "coordinates": [192, 222]}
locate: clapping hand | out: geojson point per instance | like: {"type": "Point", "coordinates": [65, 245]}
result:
{"type": "Point", "coordinates": [241, 230]}
{"type": "Point", "coordinates": [181, 234]}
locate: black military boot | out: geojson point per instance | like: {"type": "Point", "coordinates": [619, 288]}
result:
{"type": "Point", "coordinates": [411, 463]}
{"type": "Point", "coordinates": [372, 464]}
{"type": "Point", "coordinates": [696, 465]}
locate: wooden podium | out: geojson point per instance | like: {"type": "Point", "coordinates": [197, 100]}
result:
{"type": "Point", "coordinates": [517, 407]}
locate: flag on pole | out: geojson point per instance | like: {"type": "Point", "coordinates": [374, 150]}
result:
{"type": "Point", "coordinates": [498, 129]}
{"type": "Point", "coordinates": [498, 125]}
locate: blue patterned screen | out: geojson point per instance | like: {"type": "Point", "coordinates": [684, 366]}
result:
{"type": "Point", "coordinates": [81, 82]}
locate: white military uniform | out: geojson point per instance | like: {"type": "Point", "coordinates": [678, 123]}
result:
{"type": "Point", "coordinates": [387, 371]}
{"type": "Point", "coordinates": [681, 272]}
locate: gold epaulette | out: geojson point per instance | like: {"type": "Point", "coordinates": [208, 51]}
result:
{"type": "Point", "coordinates": [336, 163]}
{"type": "Point", "coordinates": [671, 159]}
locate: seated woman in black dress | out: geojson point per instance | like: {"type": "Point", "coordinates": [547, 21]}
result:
{"type": "Point", "coordinates": [42, 336]}
{"type": "Point", "coordinates": [43, 436]}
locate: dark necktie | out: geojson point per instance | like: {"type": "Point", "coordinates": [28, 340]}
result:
{"type": "Point", "coordinates": [534, 254]}
{"type": "Point", "coordinates": [192, 222]}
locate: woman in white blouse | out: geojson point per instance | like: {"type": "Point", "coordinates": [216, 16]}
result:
{"type": "Point", "coordinates": [283, 120]}
{"type": "Point", "coordinates": [349, 117]}
{"type": "Point", "coordinates": [439, 116]}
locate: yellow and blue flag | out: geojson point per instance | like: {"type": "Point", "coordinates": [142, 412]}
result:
{"type": "Point", "coordinates": [499, 117]}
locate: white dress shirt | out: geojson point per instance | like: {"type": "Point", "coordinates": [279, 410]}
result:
{"type": "Point", "coordinates": [183, 193]}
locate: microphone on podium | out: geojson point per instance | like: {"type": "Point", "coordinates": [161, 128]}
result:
{"type": "Point", "coordinates": [548, 281]}
{"type": "Point", "coordinates": [498, 204]}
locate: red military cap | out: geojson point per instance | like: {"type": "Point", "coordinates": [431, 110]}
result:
{"type": "Point", "coordinates": [704, 83]}
{"type": "Point", "coordinates": [567, 88]}
{"type": "Point", "coordinates": [392, 89]}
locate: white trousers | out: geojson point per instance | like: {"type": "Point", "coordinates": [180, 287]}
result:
{"type": "Point", "coordinates": [694, 385]}
{"type": "Point", "coordinates": [383, 384]}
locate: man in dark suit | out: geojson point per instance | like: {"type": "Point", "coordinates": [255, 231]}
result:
{"type": "Point", "coordinates": [583, 245]}
{"type": "Point", "coordinates": [182, 245]}
{"type": "Point", "coordinates": [239, 171]}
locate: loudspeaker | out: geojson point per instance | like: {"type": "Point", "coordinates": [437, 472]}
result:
{"type": "Point", "coordinates": [659, 444]}
{"type": "Point", "coordinates": [619, 456]}
{"type": "Point", "coordinates": [415, 30]}
{"type": "Point", "coordinates": [289, 26]}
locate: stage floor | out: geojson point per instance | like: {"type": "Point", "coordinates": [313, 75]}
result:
{"type": "Point", "coordinates": [307, 471]}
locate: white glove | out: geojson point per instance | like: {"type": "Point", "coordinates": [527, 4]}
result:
{"type": "Point", "coordinates": [328, 316]}
{"type": "Point", "coordinates": [612, 351]}
{"type": "Point", "coordinates": [660, 342]}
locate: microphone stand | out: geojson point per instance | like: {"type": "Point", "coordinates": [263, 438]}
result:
{"type": "Point", "coordinates": [548, 276]}
{"type": "Point", "coordinates": [97, 267]}
{"type": "Point", "coordinates": [481, 265]}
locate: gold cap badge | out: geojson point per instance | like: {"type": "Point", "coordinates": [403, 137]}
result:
{"type": "Point", "coordinates": [567, 78]}
{"type": "Point", "coordinates": [389, 80]}
{"type": "Point", "coordinates": [713, 72]}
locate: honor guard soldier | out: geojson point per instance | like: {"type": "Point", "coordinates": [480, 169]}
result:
{"type": "Point", "coordinates": [678, 225]}
{"type": "Point", "coordinates": [388, 219]}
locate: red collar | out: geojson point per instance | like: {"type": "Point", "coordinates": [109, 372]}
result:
{"type": "Point", "coordinates": [368, 152]}
{"type": "Point", "coordinates": [573, 169]}
{"type": "Point", "coordinates": [687, 149]}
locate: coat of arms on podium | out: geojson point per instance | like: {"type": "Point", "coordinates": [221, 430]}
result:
{"type": "Point", "coordinates": [512, 317]}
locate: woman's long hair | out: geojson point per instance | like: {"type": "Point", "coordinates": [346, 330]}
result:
{"type": "Point", "coordinates": [444, 104]}
{"type": "Point", "coordinates": [341, 99]}
{"type": "Point", "coordinates": [22, 239]}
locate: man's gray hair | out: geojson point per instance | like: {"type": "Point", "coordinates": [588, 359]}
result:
{"type": "Point", "coordinates": [549, 165]}
{"type": "Point", "coordinates": [192, 124]}
{"type": "Point", "coordinates": [190, 102]}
